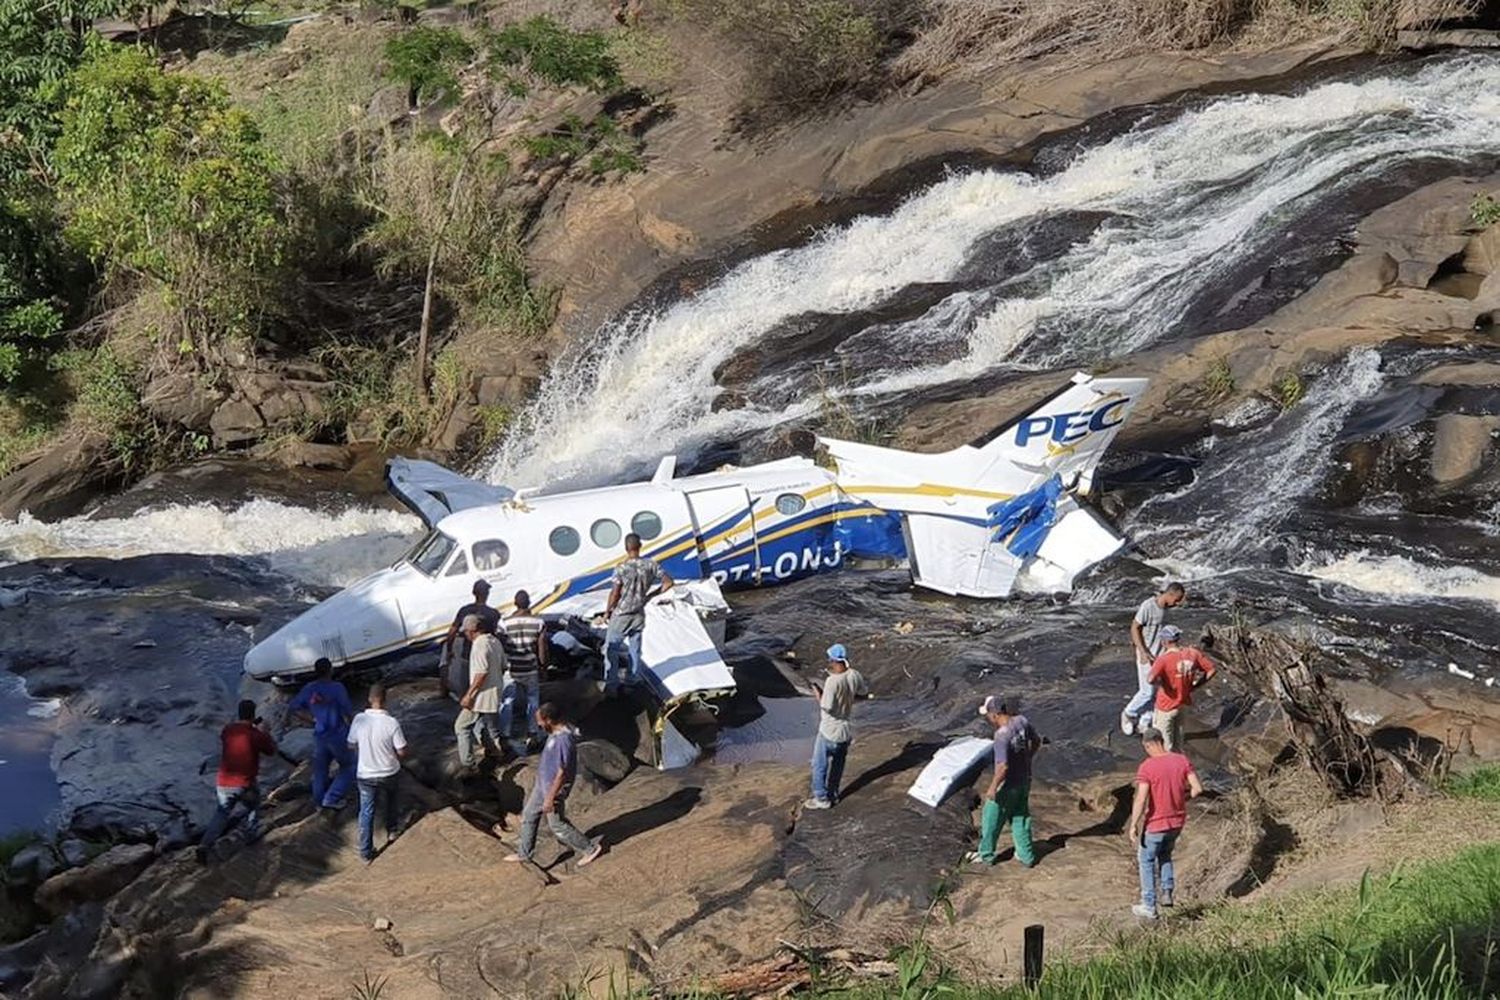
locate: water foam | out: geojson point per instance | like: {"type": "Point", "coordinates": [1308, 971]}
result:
{"type": "Point", "coordinates": [1186, 199]}
{"type": "Point", "coordinates": [1231, 512]}
{"type": "Point", "coordinates": [328, 549]}
{"type": "Point", "coordinates": [1399, 576]}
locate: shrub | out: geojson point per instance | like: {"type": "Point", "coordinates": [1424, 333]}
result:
{"type": "Point", "coordinates": [1484, 210]}
{"type": "Point", "coordinates": [556, 54]}
{"type": "Point", "coordinates": [607, 147]}
{"type": "Point", "coordinates": [427, 61]}
{"type": "Point", "coordinates": [1218, 381]}
{"type": "Point", "coordinates": [163, 179]}
{"type": "Point", "coordinates": [105, 401]}
{"type": "Point", "coordinates": [30, 318]}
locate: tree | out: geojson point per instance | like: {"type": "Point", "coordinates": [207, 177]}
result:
{"type": "Point", "coordinates": [163, 179]}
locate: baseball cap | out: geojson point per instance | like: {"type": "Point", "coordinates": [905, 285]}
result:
{"type": "Point", "coordinates": [993, 703]}
{"type": "Point", "coordinates": [838, 652]}
{"type": "Point", "coordinates": [1170, 633]}
{"type": "Point", "coordinates": [481, 586]}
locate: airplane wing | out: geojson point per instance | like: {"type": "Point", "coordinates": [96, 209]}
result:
{"type": "Point", "coordinates": [433, 492]}
{"type": "Point", "coordinates": [983, 516]}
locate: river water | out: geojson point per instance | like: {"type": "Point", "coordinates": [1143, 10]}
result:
{"type": "Point", "coordinates": [1196, 217]}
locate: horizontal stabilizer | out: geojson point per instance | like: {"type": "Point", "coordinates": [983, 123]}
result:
{"type": "Point", "coordinates": [948, 767]}
{"type": "Point", "coordinates": [433, 492]}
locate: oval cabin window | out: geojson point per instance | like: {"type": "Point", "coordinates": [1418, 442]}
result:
{"type": "Point", "coordinates": [791, 503]}
{"type": "Point", "coordinates": [646, 524]}
{"type": "Point", "coordinates": [564, 540]}
{"type": "Point", "coordinates": [605, 533]}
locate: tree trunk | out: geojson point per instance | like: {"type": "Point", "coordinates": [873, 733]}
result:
{"type": "Point", "coordinates": [425, 333]}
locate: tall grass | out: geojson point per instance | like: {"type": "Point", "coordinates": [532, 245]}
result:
{"type": "Point", "coordinates": [1481, 783]}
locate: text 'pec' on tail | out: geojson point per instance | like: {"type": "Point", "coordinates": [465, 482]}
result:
{"type": "Point", "coordinates": [1067, 433]}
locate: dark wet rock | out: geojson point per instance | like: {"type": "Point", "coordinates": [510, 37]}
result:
{"type": "Point", "coordinates": [74, 852]}
{"type": "Point", "coordinates": [32, 864]}
{"type": "Point", "coordinates": [99, 879]}
{"type": "Point", "coordinates": [604, 761]}
{"type": "Point", "coordinates": [59, 481]}
{"type": "Point", "coordinates": [59, 947]}
{"type": "Point", "coordinates": [1251, 413]}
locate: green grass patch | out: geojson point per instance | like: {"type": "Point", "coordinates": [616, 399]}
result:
{"type": "Point", "coordinates": [558, 55]}
{"type": "Point", "coordinates": [1481, 783]}
{"type": "Point", "coordinates": [1484, 210]}
{"type": "Point", "coordinates": [1218, 381]}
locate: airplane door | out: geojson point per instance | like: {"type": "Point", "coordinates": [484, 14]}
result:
{"type": "Point", "coordinates": [724, 525]}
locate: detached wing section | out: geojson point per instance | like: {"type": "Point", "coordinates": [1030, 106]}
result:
{"type": "Point", "coordinates": [433, 492]}
{"type": "Point", "coordinates": [1005, 510]}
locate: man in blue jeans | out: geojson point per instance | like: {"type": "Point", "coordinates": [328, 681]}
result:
{"type": "Point", "coordinates": [831, 748]}
{"type": "Point", "coordinates": [637, 579]}
{"type": "Point", "coordinates": [1163, 784]}
{"type": "Point", "coordinates": [327, 701]}
{"type": "Point", "coordinates": [244, 742]}
{"type": "Point", "coordinates": [555, 772]}
{"type": "Point", "coordinates": [377, 736]}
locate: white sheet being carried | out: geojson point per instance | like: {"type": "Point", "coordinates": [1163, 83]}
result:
{"type": "Point", "coordinates": [948, 767]}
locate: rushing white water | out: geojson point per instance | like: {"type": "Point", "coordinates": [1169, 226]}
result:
{"type": "Point", "coordinates": [1398, 576]}
{"type": "Point", "coordinates": [1187, 200]}
{"type": "Point", "coordinates": [1233, 508]}
{"type": "Point", "coordinates": [331, 549]}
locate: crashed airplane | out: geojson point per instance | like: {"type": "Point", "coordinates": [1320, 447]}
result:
{"type": "Point", "coordinates": [977, 521]}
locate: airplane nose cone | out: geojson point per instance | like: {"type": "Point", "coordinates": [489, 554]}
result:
{"type": "Point", "coordinates": [265, 658]}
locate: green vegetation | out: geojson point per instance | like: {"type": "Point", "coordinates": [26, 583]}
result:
{"type": "Point", "coordinates": [607, 148]}
{"type": "Point", "coordinates": [1218, 381]}
{"type": "Point", "coordinates": [427, 61]}
{"type": "Point", "coordinates": [1484, 210]}
{"type": "Point", "coordinates": [1480, 783]}
{"type": "Point", "coordinates": [1288, 390]}
{"type": "Point", "coordinates": [557, 55]}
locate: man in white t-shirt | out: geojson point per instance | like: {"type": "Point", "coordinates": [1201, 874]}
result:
{"type": "Point", "coordinates": [381, 744]}
{"type": "Point", "coordinates": [1145, 637]}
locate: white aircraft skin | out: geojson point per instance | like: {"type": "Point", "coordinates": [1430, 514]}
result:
{"type": "Point", "coordinates": [742, 527]}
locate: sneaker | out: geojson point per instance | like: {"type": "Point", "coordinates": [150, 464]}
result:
{"type": "Point", "coordinates": [975, 858]}
{"type": "Point", "coordinates": [1026, 864]}
{"type": "Point", "coordinates": [516, 859]}
{"type": "Point", "coordinates": [1127, 724]}
{"type": "Point", "coordinates": [592, 855]}
{"type": "Point", "coordinates": [1165, 899]}
{"type": "Point", "coordinates": [817, 804]}
{"type": "Point", "coordinates": [368, 859]}
{"type": "Point", "coordinates": [1143, 911]}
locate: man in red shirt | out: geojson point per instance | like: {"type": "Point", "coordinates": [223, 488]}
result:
{"type": "Point", "coordinates": [244, 743]}
{"type": "Point", "coordinates": [1176, 673]}
{"type": "Point", "coordinates": [1163, 784]}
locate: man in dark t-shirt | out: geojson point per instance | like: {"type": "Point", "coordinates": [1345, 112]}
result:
{"type": "Point", "coordinates": [555, 771]}
{"type": "Point", "coordinates": [1008, 798]}
{"type": "Point", "coordinates": [244, 742]}
{"type": "Point", "coordinates": [453, 655]}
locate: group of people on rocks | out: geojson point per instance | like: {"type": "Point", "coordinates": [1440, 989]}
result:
{"type": "Point", "coordinates": [1168, 672]}
{"type": "Point", "coordinates": [494, 665]}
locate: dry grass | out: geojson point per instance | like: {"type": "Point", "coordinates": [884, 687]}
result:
{"type": "Point", "coordinates": [982, 35]}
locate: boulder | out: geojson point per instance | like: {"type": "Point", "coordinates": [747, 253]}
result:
{"type": "Point", "coordinates": [60, 481]}
{"type": "Point", "coordinates": [75, 853]}
{"type": "Point", "coordinates": [236, 421]}
{"type": "Point", "coordinates": [180, 399]}
{"type": "Point", "coordinates": [1460, 444]}
{"type": "Point", "coordinates": [390, 104]}
{"type": "Point", "coordinates": [307, 455]}
{"type": "Point", "coordinates": [604, 761]}
{"type": "Point", "coordinates": [1482, 255]}
{"type": "Point", "coordinates": [99, 879]}
{"type": "Point", "coordinates": [31, 864]}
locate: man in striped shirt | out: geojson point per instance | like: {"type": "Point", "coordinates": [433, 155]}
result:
{"type": "Point", "coordinates": [525, 638]}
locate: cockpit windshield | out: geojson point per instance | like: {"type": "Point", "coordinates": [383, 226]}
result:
{"type": "Point", "coordinates": [431, 553]}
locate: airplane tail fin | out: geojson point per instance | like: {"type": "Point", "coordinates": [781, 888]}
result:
{"type": "Point", "coordinates": [1066, 434]}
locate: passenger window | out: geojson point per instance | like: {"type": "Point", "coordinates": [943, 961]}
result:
{"type": "Point", "coordinates": [491, 554]}
{"type": "Point", "coordinates": [564, 540]}
{"type": "Point", "coordinates": [791, 503]}
{"type": "Point", "coordinates": [460, 565]}
{"type": "Point", "coordinates": [646, 524]}
{"type": "Point", "coordinates": [605, 533]}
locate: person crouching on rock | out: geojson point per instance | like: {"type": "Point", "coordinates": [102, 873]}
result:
{"type": "Point", "coordinates": [831, 748]}
{"type": "Point", "coordinates": [1163, 784]}
{"type": "Point", "coordinates": [1008, 798]}
{"type": "Point", "coordinates": [377, 736]}
{"type": "Point", "coordinates": [327, 701]}
{"type": "Point", "coordinates": [556, 769]}
{"type": "Point", "coordinates": [244, 742]}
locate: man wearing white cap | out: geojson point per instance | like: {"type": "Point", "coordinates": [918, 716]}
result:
{"type": "Point", "coordinates": [1008, 797]}
{"type": "Point", "coordinates": [836, 703]}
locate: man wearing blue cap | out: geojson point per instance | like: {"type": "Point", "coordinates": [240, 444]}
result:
{"type": "Point", "coordinates": [836, 701]}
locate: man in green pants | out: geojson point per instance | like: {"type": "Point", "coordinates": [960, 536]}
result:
{"type": "Point", "coordinates": [1008, 796]}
